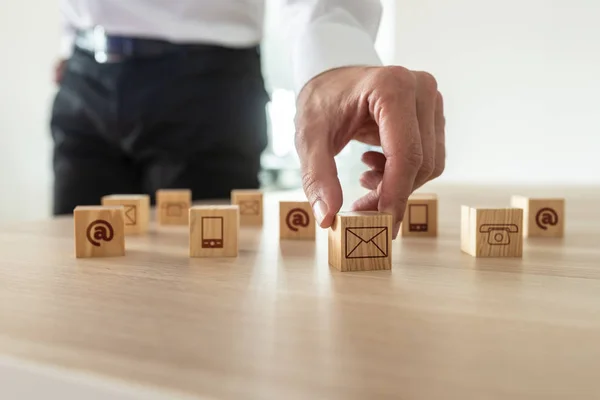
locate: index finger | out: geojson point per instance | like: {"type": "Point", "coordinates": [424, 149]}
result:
{"type": "Point", "coordinates": [396, 116]}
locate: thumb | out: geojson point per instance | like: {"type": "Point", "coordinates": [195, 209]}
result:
{"type": "Point", "coordinates": [319, 177]}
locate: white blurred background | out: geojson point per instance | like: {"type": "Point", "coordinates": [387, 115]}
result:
{"type": "Point", "coordinates": [520, 80]}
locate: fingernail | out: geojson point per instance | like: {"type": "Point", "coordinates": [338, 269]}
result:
{"type": "Point", "coordinates": [320, 209]}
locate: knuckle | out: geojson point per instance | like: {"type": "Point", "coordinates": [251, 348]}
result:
{"type": "Point", "coordinates": [414, 157]}
{"type": "Point", "coordinates": [428, 82]}
{"type": "Point", "coordinates": [398, 70]}
{"type": "Point", "coordinates": [427, 167]}
{"type": "Point", "coordinates": [393, 77]}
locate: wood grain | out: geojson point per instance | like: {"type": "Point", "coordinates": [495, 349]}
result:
{"type": "Point", "coordinates": [136, 211]}
{"type": "Point", "coordinates": [550, 212]}
{"type": "Point", "coordinates": [250, 202]}
{"type": "Point", "coordinates": [420, 218]}
{"type": "Point", "coordinates": [296, 220]}
{"type": "Point", "coordinates": [214, 231]}
{"type": "Point", "coordinates": [278, 323]}
{"type": "Point", "coordinates": [172, 206]}
{"type": "Point", "coordinates": [492, 232]}
{"type": "Point", "coordinates": [361, 241]}
{"type": "Point", "coordinates": [99, 231]}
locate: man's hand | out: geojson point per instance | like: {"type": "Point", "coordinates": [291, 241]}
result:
{"type": "Point", "coordinates": [59, 69]}
{"type": "Point", "coordinates": [392, 107]}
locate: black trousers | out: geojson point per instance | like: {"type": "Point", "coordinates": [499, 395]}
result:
{"type": "Point", "coordinates": [194, 118]}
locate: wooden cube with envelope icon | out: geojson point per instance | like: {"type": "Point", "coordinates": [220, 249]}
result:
{"type": "Point", "coordinates": [172, 206]}
{"type": "Point", "coordinates": [250, 202]}
{"type": "Point", "coordinates": [99, 231]}
{"type": "Point", "coordinates": [214, 231]}
{"type": "Point", "coordinates": [361, 241]}
{"type": "Point", "coordinates": [492, 232]}
{"type": "Point", "coordinates": [136, 210]}
{"type": "Point", "coordinates": [420, 217]}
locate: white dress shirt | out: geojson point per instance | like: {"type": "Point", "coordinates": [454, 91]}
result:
{"type": "Point", "coordinates": [323, 34]}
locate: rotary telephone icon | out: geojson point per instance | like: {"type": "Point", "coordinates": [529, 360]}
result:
{"type": "Point", "coordinates": [498, 234]}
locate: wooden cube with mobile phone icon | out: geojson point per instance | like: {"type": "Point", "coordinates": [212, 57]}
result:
{"type": "Point", "coordinates": [420, 217]}
{"type": "Point", "coordinates": [492, 232]}
{"type": "Point", "coordinates": [214, 231]}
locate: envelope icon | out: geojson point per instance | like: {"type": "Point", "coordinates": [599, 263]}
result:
{"type": "Point", "coordinates": [249, 207]}
{"type": "Point", "coordinates": [367, 242]}
{"type": "Point", "coordinates": [130, 214]}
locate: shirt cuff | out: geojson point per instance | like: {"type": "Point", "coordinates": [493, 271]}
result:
{"type": "Point", "coordinates": [326, 46]}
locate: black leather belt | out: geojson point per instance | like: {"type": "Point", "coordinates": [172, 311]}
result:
{"type": "Point", "coordinates": [110, 48]}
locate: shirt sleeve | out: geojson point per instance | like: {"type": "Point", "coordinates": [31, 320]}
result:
{"type": "Point", "coordinates": [327, 34]}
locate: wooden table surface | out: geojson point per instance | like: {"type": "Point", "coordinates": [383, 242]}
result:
{"type": "Point", "coordinates": [279, 323]}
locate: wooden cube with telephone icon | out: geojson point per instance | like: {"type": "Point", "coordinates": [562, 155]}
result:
{"type": "Point", "coordinates": [172, 206]}
{"type": "Point", "coordinates": [492, 232]}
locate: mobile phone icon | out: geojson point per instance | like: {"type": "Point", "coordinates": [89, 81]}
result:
{"type": "Point", "coordinates": [212, 232]}
{"type": "Point", "coordinates": [418, 217]}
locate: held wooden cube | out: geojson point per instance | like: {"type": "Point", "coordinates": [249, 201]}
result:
{"type": "Point", "coordinates": [361, 241]}
{"type": "Point", "coordinates": [136, 210]}
{"type": "Point", "coordinates": [250, 203]}
{"type": "Point", "coordinates": [214, 231]}
{"type": "Point", "coordinates": [99, 231]}
{"type": "Point", "coordinates": [296, 220]}
{"type": "Point", "coordinates": [172, 206]}
{"type": "Point", "coordinates": [492, 232]}
{"type": "Point", "coordinates": [420, 218]}
{"type": "Point", "coordinates": [542, 217]}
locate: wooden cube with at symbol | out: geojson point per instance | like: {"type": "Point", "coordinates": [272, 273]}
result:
{"type": "Point", "coordinates": [99, 231]}
{"type": "Point", "coordinates": [542, 217]}
{"type": "Point", "coordinates": [296, 220]}
{"type": "Point", "coordinates": [136, 210]}
{"type": "Point", "coordinates": [361, 241]}
{"type": "Point", "coordinates": [492, 232]}
{"type": "Point", "coordinates": [172, 206]}
{"type": "Point", "coordinates": [420, 217]}
{"type": "Point", "coordinates": [214, 231]}
{"type": "Point", "coordinates": [250, 202]}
